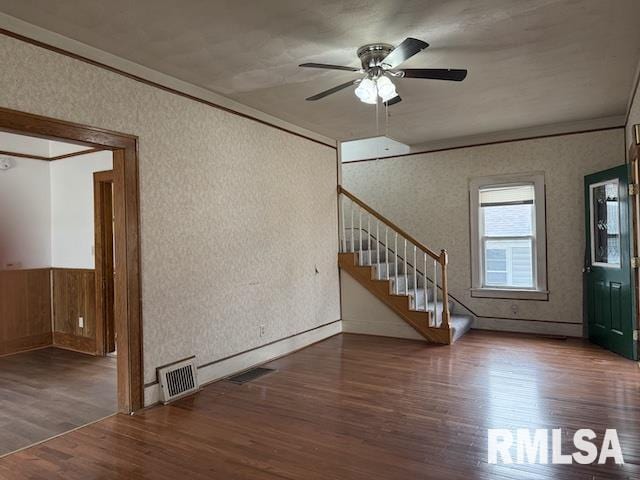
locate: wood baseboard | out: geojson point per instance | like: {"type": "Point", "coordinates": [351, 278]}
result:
{"type": "Point", "coordinates": [74, 342]}
{"type": "Point", "coordinates": [224, 367]}
{"type": "Point", "coordinates": [24, 344]}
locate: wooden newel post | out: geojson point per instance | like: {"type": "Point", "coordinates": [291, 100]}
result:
{"type": "Point", "coordinates": [444, 260]}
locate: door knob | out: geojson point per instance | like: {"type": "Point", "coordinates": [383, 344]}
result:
{"type": "Point", "coordinates": [586, 270]}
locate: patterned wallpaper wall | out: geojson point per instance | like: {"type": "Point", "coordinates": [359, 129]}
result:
{"type": "Point", "coordinates": [235, 215]}
{"type": "Point", "coordinates": [427, 195]}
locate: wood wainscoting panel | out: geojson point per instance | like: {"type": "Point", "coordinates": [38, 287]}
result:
{"type": "Point", "coordinates": [74, 296]}
{"type": "Point", "coordinates": [25, 310]}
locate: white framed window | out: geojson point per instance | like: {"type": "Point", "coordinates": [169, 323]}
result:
{"type": "Point", "coordinates": [508, 240]}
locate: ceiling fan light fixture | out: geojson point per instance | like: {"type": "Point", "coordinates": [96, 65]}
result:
{"type": "Point", "coordinates": [380, 65]}
{"type": "Point", "coordinates": [367, 91]}
{"type": "Point", "coordinates": [386, 89]}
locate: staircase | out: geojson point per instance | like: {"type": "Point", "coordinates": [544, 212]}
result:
{"type": "Point", "coordinates": [408, 277]}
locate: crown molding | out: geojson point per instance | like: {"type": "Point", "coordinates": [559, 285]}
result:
{"type": "Point", "coordinates": [21, 30]}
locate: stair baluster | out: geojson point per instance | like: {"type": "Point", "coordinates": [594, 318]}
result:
{"type": "Point", "coordinates": [369, 238]}
{"type": "Point", "coordinates": [406, 270]}
{"type": "Point", "coordinates": [444, 261]}
{"type": "Point", "coordinates": [353, 235]}
{"type": "Point", "coordinates": [386, 251]}
{"type": "Point", "coordinates": [434, 293]}
{"type": "Point", "coordinates": [342, 226]}
{"type": "Point", "coordinates": [360, 230]}
{"type": "Point", "coordinates": [378, 249]}
{"type": "Point", "coordinates": [415, 277]}
{"type": "Point", "coordinates": [396, 288]}
{"type": "Point", "coordinates": [424, 282]}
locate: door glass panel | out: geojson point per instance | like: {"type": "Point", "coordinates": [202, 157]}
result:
{"type": "Point", "coordinates": [605, 224]}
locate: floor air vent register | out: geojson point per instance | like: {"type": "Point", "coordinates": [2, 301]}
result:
{"type": "Point", "coordinates": [250, 375]}
{"type": "Point", "coordinates": [178, 379]}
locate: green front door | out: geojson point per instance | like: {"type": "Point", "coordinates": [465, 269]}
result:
{"type": "Point", "coordinates": [608, 268]}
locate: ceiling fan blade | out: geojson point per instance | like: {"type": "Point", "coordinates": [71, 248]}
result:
{"type": "Point", "coordinates": [342, 86]}
{"type": "Point", "coordinates": [407, 49]}
{"type": "Point", "coordinates": [329, 67]}
{"type": "Point", "coordinates": [435, 73]}
{"type": "Point", "coordinates": [393, 101]}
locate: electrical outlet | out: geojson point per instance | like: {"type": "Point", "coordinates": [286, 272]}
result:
{"type": "Point", "coordinates": [262, 330]}
{"type": "Point", "coordinates": [514, 310]}
{"type": "Point", "coordinates": [81, 322]}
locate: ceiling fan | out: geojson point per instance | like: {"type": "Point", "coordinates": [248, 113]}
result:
{"type": "Point", "coordinates": [380, 62]}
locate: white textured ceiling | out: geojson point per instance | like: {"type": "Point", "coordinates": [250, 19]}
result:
{"type": "Point", "coordinates": [530, 62]}
{"type": "Point", "coordinates": [26, 145]}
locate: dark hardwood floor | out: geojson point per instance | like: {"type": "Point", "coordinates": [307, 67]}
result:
{"type": "Point", "coordinates": [362, 407]}
{"type": "Point", "coordinates": [50, 391]}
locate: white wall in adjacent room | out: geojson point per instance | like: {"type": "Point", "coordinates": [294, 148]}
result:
{"type": "Point", "coordinates": [72, 229]}
{"type": "Point", "coordinates": [25, 215]}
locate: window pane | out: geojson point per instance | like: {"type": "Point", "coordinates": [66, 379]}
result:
{"type": "Point", "coordinates": [509, 263]}
{"type": "Point", "coordinates": [508, 220]}
{"type": "Point", "coordinates": [606, 223]}
{"type": "Point", "coordinates": [521, 266]}
{"type": "Point", "coordinates": [496, 278]}
{"type": "Point", "coordinates": [496, 260]}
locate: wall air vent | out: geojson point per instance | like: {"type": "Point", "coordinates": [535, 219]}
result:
{"type": "Point", "coordinates": [178, 379]}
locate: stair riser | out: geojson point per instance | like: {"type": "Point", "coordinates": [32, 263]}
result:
{"type": "Point", "coordinates": [371, 257]}
{"type": "Point", "coordinates": [407, 283]}
{"type": "Point", "coordinates": [364, 246]}
{"type": "Point", "coordinates": [420, 294]}
{"type": "Point", "coordinates": [420, 306]}
{"type": "Point", "coordinates": [382, 269]}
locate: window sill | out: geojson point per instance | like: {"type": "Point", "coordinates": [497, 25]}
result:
{"type": "Point", "coordinates": [508, 293]}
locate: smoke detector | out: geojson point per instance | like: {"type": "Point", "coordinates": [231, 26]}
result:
{"type": "Point", "coordinates": [5, 163]}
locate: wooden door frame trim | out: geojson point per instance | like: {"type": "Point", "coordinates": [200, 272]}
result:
{"type": "Point", "coordinates": [50, 159]}
{"type": "Point", "coordinates": [126, 230]}
{"type": "Point", "coordinates": [100, 178]}
{"type": "Point", "coordinates": [24, 155]}
{"type": "Point", "coordinates": [634, 164]}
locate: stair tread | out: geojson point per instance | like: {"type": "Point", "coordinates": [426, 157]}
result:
{"type": "Point", "coordinates": [460, 323]}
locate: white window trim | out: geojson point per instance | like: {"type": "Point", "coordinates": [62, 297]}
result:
{"type": "Point", "coordinates": [539, 292]}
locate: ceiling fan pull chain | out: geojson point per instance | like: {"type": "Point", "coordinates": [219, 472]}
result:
{"type": "Point", "coordinates": [386, 119]}
{"type": "Point", "coordinates": [377, 116]}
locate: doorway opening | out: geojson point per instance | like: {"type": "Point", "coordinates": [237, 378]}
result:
{"type": "Point", "coordinates": [105, 262]}
{"type": "Point", "coordinates": [79, 317]}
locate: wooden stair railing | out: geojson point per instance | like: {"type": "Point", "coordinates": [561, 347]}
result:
{"type": "Point", "coordinates": [399, 258]}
